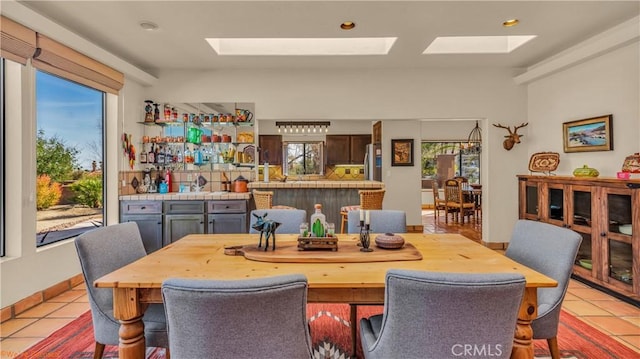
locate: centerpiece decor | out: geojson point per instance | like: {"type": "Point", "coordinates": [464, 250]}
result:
{"type": "Point", "coordinates": [365, 237]}
{"type": "Point", "coordinates": [321, 236]}
{"type": "Point", "coordinates": [266, 227]}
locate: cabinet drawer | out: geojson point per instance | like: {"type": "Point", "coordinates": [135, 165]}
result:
{"type": "Point", "coordinates": [140, 207]}
{"type": "Point", "coordinates": [183, 207]}
{"type": "Point", "coordinates": [227, 206]}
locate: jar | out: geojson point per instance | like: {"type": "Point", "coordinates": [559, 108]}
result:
{"type": "Point", "coordinates": [586, 171]}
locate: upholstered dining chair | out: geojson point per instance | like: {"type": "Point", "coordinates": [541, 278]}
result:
{"type": "Point", "coordinates": [382, 221]}
{"type": "Point", "coordinates": [438, 203]}
{"type": "Point", "coordinates": [289, 219]}
{"type": "Point", "coordinates": [102, 251]}
{"type": "Point", "coordinates": [455, 201]}
{"type": "Point", "coordinates": [550, 250]}
{"type": "Point", "coordinates": [264, 200]}
{"type": "Point", "coordinates": [248, 318]}
{"type": "Point", "coordinates": [436, 315]}
{"type": "Point", "coordinates": [369, 199]}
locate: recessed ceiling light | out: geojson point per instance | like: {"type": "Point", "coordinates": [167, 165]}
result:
{"type": "Point", "coordinates": [302, 46]}
{"type": "Point", "coordinates": [347, 25]}
{"type": "Point", "coordinates": [477, 44]}
{"type": "Point", "coordinates": [511, 22]}
{"type": "Point", "coordinates": [148, 25]}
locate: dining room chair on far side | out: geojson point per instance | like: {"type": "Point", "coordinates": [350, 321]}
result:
{"type": "Point", "coordinates": [439, 204]}
{"type": "Point", "coordinates": [247, 318]}
{"type": "Point", "coordinates": [381, 221]}
{"type": "Point", "coordinates": [102, 251]}
{"type": "Point", "coordinates": [436, 314]}
{"type": "Point", "coordinates": [550, 250]}
{"type": "Point", "coordinates": [369, 199]}
{"type": "Point", "coordinates": [455, 201]}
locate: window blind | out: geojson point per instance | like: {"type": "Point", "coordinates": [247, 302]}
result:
{"type": "Point", "coordinates": [58, 59]}
{"type": "Point", "coordinates": [18, 43]}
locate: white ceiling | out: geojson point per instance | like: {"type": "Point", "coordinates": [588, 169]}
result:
{"type": "Point", "coordinates": [180, 43]}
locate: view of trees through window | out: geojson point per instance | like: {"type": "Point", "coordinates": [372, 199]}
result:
{"type": "Point", "coordinates": [69, 158]}
{"type": "Point", "coordinates": [443, 160]}
{"type": "Point", "coordinates": [303, 158]}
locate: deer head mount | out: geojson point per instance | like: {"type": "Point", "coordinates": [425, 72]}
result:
{"type": "Point", "coordinates": [513, 137]}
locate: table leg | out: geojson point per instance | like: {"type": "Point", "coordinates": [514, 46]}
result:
{"type": "Point", "coordinates": [523, 337]}
{"type": "Point", "coordinates": [129, 312]}
{"type": "Point", "coordinates": [353, 311]}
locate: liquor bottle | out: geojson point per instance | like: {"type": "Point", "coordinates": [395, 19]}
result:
{"type": "Point", "coordinates": [143, 157]}
{"type": "Point", "coordinates": [168, 156]}
{"type": "Point", "coordinates": [179, 156]}
{"type": "Point", "coordinates": [160, 157]}
{"type": "Point", "coordinates": [318, 221]}
{"type": "Point", "coordinates": [151, 156]}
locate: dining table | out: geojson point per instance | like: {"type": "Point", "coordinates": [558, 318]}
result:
{"type": "Point", "coordinates": [342, 276]}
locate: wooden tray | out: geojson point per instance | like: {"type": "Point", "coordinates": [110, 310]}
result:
{"type": "Point", "coordinates": [318, 243]}
{"type": "Point", "coordinates": [348, 252]}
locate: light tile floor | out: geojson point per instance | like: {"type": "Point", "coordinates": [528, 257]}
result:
{"type": "Point", "coordinates": [612, 316]}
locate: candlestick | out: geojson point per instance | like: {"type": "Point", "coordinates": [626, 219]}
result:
{"type": "Point", "coordinates": [367, 217]}
{"type": "Point", "coordinates": [361, 216]}
{"type": "Point", "coordinates": [365, 239]}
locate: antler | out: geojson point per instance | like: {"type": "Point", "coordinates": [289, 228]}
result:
{"type": "Point", "coordinates": [522, 125]}
{"type": "Point", "coordinates": [508, 128]}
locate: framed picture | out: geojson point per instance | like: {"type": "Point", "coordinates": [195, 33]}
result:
{"type": "Point", "coordinates": [591, 134]}
{"type": "Point", "coordinates": [402, 152]}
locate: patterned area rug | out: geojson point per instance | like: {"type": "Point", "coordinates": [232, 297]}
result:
{"type": "Point", "coordinates": [331, 336]}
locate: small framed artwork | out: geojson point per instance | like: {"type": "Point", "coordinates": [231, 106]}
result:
{"type": "Point", "coordinates": [591, 134]}
{"type": "Point", "coordinates": [402, 152]}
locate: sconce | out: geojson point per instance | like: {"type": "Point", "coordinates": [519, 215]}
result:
{"type": "Point", "coordinates": [303, 126]}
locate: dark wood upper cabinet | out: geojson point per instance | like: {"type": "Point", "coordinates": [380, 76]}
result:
{"type": "Point", "coordinates": [359, 147]}
{"type": "Point", "coordinates": [346, 149]}
{"type": "Point", "coordinates": [270, 149]}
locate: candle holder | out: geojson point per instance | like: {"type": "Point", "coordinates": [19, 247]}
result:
{"type": "Point", "coordinates": [365, 239]}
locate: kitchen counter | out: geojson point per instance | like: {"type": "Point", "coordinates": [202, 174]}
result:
{"type": "Point", "coordinates": [316, 184]}
{"type": "Point", "coordinates": [177, 196]}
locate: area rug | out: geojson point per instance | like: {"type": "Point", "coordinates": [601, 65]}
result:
{"type": "Point", "coordinates": [331, 336]}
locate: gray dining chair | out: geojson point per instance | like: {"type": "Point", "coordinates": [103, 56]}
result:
{"type": "Point", "coordinates": [102, 251]}
{"type": "Point", "coordinates": [550, 250]}
{"type": "Point", "coordinates": [247, 318]}
{"type": "Point", "coordinates": [382, 221]}
{"type": "Point", "coordinates": [289, 219]}
{"type": "Point", "coordinates": [437, 315]}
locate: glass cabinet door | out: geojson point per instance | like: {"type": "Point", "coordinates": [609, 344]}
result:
{"type": "Point", "coordinates": [529, 200]}
{"type": "Point", "coordinates": [555, 204]}
{"type": "Point", "coordinates": [619, 239]}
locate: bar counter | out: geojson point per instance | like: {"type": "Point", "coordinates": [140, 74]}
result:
{"type": "Point", "coordinates": [305, 194]}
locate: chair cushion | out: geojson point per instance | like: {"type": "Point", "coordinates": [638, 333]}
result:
{"type": "Point", "coordinates": [282, 207]}
{"type": "Point", "coordinates": [355, 207]}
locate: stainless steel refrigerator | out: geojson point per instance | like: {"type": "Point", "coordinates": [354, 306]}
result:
{"type": "Point", "coordinates": [373, 162]}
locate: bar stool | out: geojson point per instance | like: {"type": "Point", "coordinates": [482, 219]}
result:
{"type": "Point", "coordinates": [264, 200]}
{"type": "Point", "coordinates": [369, 199]}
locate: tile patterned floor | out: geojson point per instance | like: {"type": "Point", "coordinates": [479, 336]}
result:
{"type": "Point", "coordinates": [612, 316]}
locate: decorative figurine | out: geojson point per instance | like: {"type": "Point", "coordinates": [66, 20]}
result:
{"type": "Point", "coordinates": [365, 239]}
{"type": "Point", "coordinates": [148, 109]}
{"type": "Point", "coordinates": [269, 227]}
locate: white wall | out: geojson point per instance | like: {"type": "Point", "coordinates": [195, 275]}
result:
{"type": "Point", "coordinates": [396, 96]}
{"type": "Point", "coordinates": [605, 85]}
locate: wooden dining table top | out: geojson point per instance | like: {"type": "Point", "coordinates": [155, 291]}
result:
{"type": "Point", "coordinates": [203, 256]}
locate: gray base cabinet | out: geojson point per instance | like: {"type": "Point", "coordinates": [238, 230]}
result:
{"type": "Point", "coordinates": [177, 226]}
{"type": "Point", "coordinates": [227, 223]}
{"type": "Point", "coordinates": [148, 216]}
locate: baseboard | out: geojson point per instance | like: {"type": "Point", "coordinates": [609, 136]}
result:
{"type": "Point", "coordinates": [416, 228]}
{"type": "Point", "coordinates": [39, 297]}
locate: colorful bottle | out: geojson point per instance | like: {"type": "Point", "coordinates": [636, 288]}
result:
{"type": "Point", "coordinates": [318, 222]}
{"type": "Point", "coordinates": [151, 156]}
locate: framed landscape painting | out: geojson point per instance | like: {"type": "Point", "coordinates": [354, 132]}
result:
{"type": "Point", "coordinates": [591, 134]}
{"type": "Point", "coordinates": [402, 152]}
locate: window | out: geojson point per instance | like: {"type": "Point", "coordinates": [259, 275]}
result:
{"type": "Point", "coordinates": [303, 158]}
{"type": "Point", "coordinates": [443, 160]}
{"type": "Point", "coordinates": [69, 158]}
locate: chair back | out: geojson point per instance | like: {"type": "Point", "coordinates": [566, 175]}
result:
{"type": "Point", "coordinates": [102, 251]}
{"type": "Point", "coordinates": [289, 219]}
{"type": "Point", "coordinates": [371, 199]}
{"type": "Point", "coordinates": [252, 318]}
{"type": "Point", "coordinates": [461, 179]}
{"type": "Point", "coordinates": [550, 250]}
{"type": "Point", "coordinates": [382, 221]}
{"type": "Point", "coordinates": [453, 191]}
{"type": "Point", "coordinates": [436, 192]}
{"type": "Point", "coordinates": [435, 314]}
{"type": "Point", "coordinates": [263, 199]}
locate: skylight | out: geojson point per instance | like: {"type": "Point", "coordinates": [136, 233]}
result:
{"type": "Point", "coordinates": [476, 44]}
{"type": "Point", "coordinates": [302, 46]}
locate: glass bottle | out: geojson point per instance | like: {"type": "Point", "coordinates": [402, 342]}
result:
{"type": "Point", "coordinates": [151, 156]}
{"type": "Point", "coordinates": [318, 221]}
